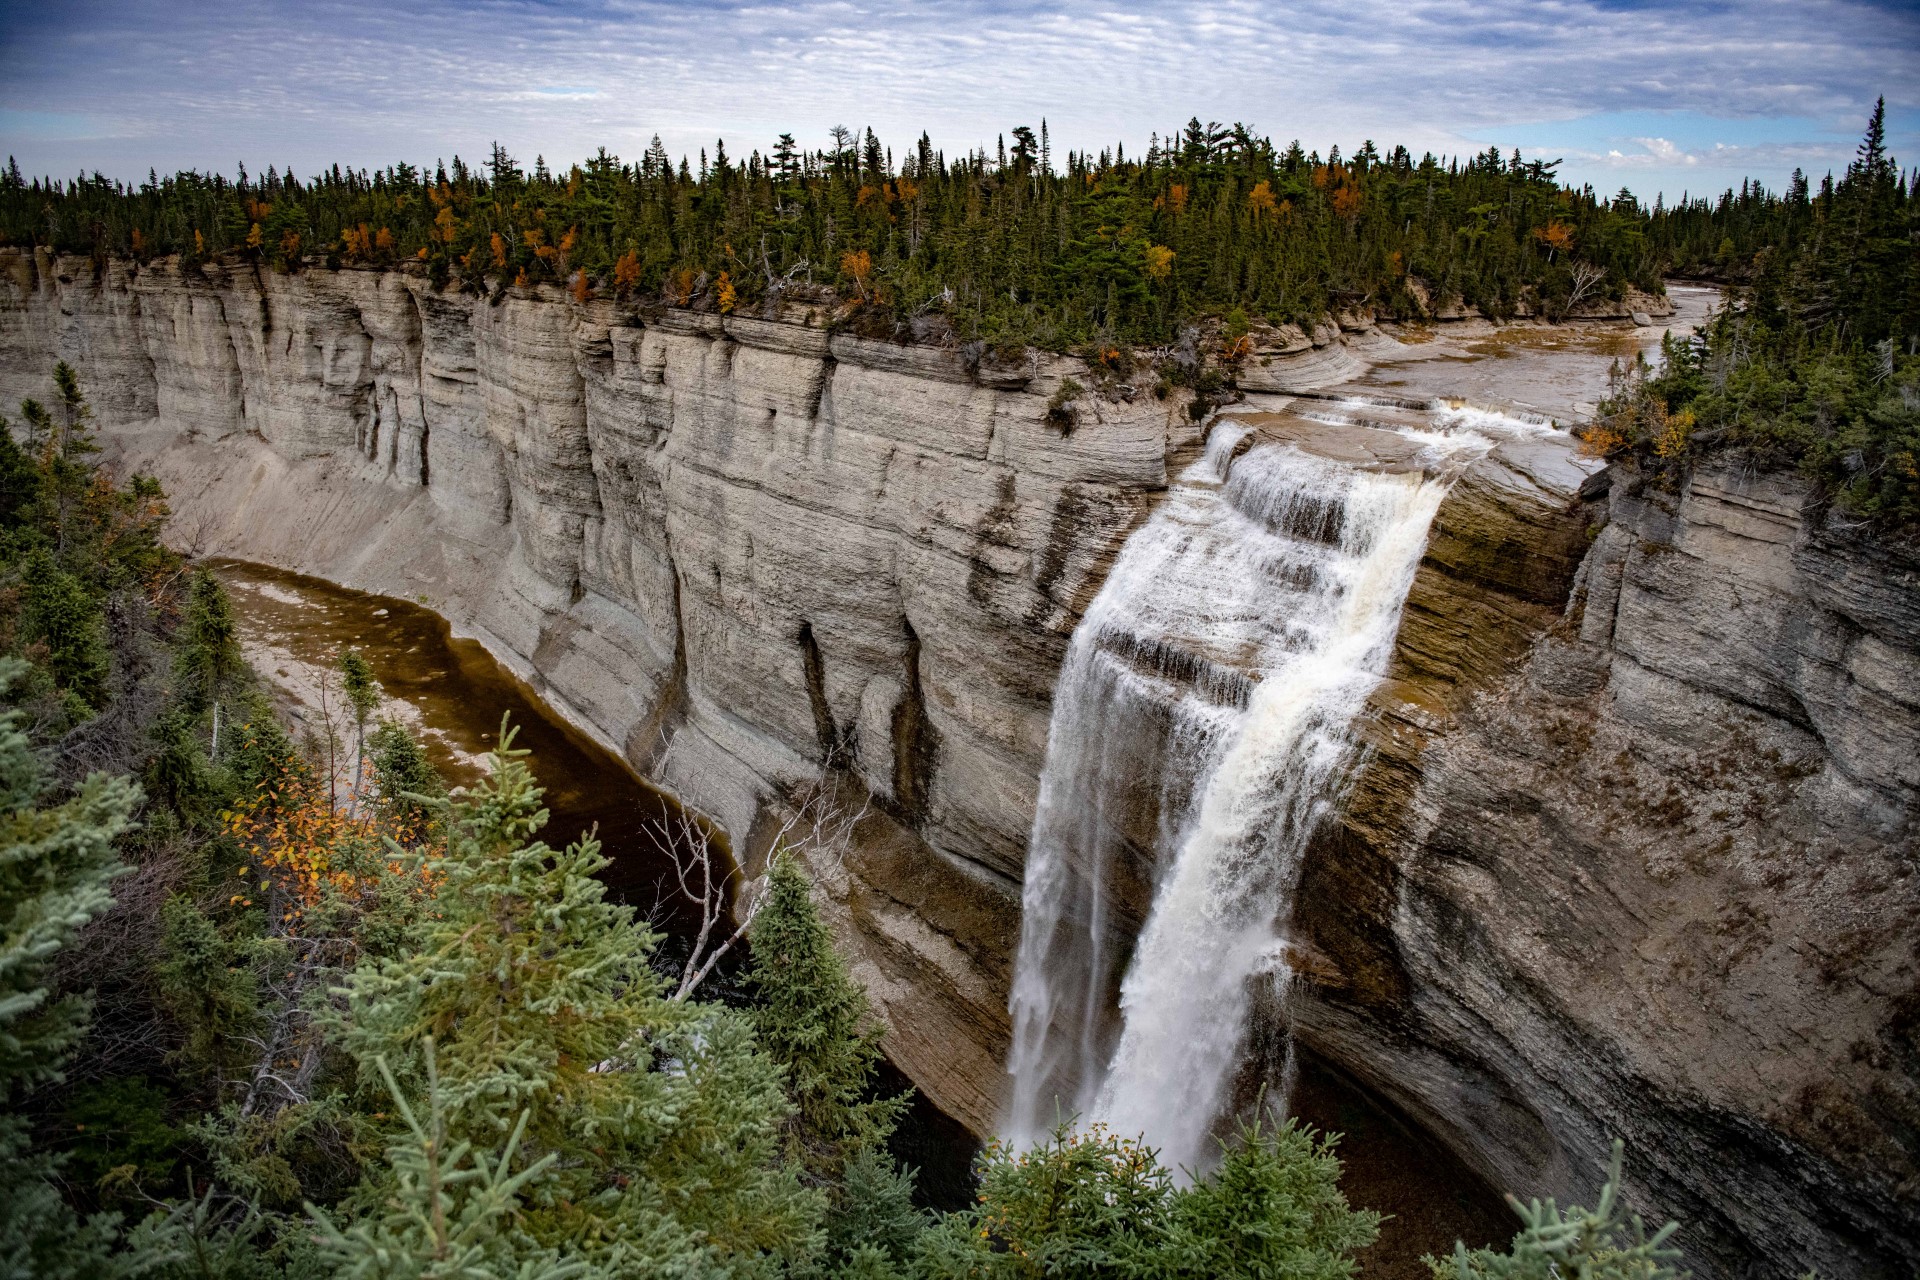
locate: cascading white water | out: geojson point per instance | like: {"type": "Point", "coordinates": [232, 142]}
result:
{"type": "Point", "coordinates": [1202, 728]}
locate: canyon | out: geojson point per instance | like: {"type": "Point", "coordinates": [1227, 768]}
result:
{"type": "Point", "coordinates": [1629, 847]}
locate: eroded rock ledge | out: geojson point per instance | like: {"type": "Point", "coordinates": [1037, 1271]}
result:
{"type": "Point", "coordinates": [1643, 866]}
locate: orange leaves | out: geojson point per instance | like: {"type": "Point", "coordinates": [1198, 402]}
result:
{"type": "Point", "coordinates": [1599, 441]}
{"type": "Point", "coordinates": [290, 246]}
{"type": "Point", "coordinates": [254, 238]}
{"type": "Point", "coordinates": [1556, 236]}
{"type": "Point", "coordinates": [581, 288]}
{"type": "Point", "coordinates": [680, 285]}
{"type": "Point", "coordinates": [1261, 199]}
{"type": "Point", "coordinates": [383, 241]}
{"type": "Point", "coordinates": [199, 243]}
{"type": "Point", "coordinates": [626, 272]}
{"type": "Point", "coordinates": [725, 293]}
{"type": "Point", "coordinates": [140, 242]}
{"type": "Point", "coordinates": [305, 850]}
{"type": "Point", "coordinates": [859, 265]}
{"type": "Point", "coordinates": [1177, 198]}
{"type": "Point", "coordinates": [499, 247]}
{"type": "Point", "coordinates": [444, 225]}
{"type": "Point", "coordinates": [569, 240]}
{"type": "Point", "coordinates": [1347, 201]}
{"type": "Point", "coordinates": [1671, 440]}
{"type": "Point", "coordinates": [258, 210]}
{"type": "Point", "coordinates": [357, 243]}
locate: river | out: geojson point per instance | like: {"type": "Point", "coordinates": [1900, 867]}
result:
{"type": "Point", "coordinates": [451, 693]}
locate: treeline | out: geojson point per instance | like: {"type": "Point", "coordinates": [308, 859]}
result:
{"type": "Point", "coordinates": [279, 1008]}
{"type": "Point", "coordinates": [1816, 361]}
{"type": "Point", "coordinates": [1006, 247]}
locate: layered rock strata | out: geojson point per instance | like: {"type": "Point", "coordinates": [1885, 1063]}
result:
{"type": "Point", "coordinates": [1632, 854]}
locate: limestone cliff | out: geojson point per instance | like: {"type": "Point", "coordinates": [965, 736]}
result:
{"type": "Point", "coordinates": [1633, 854]}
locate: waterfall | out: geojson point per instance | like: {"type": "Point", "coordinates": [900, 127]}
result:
{"type": "Point", "coordinates": [1203, 727]}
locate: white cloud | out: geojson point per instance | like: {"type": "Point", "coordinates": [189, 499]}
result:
{"type": "Point", "coordinates": [371, 81]}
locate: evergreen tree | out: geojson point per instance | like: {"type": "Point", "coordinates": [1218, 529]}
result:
{"type": "Point", "coordinates": [657, 1121]}
{"type": "Point", "coordinates": [401, 770]}
{"type": "Point", "coordinates": [210, 661]}
{"type": "Point", "coordinates": [363, 696]}
{"type": "Point", "coordinates": [59, 614]}
{"type": "Point", "coordinates": [814, 1020]}
{"type": "Point", "coordinates": [1601, 1243]}
{"type": "Point", "coordinates": [55, 868]}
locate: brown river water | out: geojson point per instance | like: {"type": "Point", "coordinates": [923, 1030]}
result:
{"type": "Point", "coordinates": [451, 693]}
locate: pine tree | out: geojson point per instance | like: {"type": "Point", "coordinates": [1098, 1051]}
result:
{"type": "Point", "coordinates": [814, 1020]}
{"type": "Point", "coordinates": [1601, 1243]}
{"type": "Point", "coordinates": [402, 771]}
{"type": "Point", "coordinates": [55, 868]}
{"type": "Point", "coordinates": [59, 614]}
{"type": "Point", "coordinates": [210, 661]}
{"type": "Point", "coordinates": [661, 1119]}
{"type": "Point", "coordinates": [363, 696]}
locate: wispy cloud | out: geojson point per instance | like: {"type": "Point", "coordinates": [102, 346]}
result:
{"type": "Point", "coordinates": [371, 81]}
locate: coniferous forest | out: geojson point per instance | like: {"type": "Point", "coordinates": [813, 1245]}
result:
{"type": "Point", "coordinates": [1211, 223]}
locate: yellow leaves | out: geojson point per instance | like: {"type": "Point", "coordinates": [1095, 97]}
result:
{"type": "Point", "coordinates": [1159, 261]}
{"type": "Point", "coordinates": [383, 240]}
{"type": "Point", "coordinates": [1600, 441]}
{"type": "Point", "coordinates": [859, 265]}
{"type": "Point", "coordinates": [1347, 201]}
{"type": "Point", "coordinates": [499, 247]}
{"type": "Point", "coordinates": [726, 294]}
{"type": "Point", "coordinates": [199, 242]}
{"type": "Point", "coordinates": [290, 245]}
{"type": "Point", "coordinates": [444, 225]}
{"type": "Point", "coordinates": [357, 242]}
{"type": "Point", "coordinates": [255, 237]}
{"type": "Point", "coordinates": [1674, 434]}
{"type": "Point", "coordinates": [1557, 236]}
{"type": "Point", "coordinates": [1261, 199]}
{"type": "Point", "coordinates": [1177, 198]}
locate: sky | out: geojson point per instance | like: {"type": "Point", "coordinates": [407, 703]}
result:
{"type": "Point", "coordinates": [1661, 96]}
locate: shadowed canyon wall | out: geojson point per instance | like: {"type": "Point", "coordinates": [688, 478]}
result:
{"type": "Point", "coordinates": [1632, 853]}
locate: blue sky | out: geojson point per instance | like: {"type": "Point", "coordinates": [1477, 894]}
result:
{"type": "Point", "coordinates": [1687, 95]}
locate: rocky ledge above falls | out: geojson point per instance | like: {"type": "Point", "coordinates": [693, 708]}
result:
{"type": "Point", "coordinates": [1644, 869]}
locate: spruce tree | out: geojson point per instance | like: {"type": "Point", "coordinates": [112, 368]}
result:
{"type": "Point", "coordinates": [814, 1020]}
{"type": "Point", "coordinates": [363, 696]}
{"type": "Point", "coordinates": [210, 661]}
{"type": "Point", "coordinates": [59, 614]}
{"type": "Point", "coordinates": [554, 1042]}
{"type": "Point", "coordinates": [56, 864]}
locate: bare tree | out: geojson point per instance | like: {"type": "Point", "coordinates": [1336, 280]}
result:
{"type": "Point", "coordinates": [817, 822]}
{"type": "Point", "coordinates": [1586, 279]}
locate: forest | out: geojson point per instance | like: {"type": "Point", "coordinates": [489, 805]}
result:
{"type": "Point", "coordinates": [276, 1002]}
{"type": "Point", "coordinates": [1814, 364]}
{"type": "Point", "coordinates": [1004, 248]}
{"type": "Point", "coordinates": [1212, 228]}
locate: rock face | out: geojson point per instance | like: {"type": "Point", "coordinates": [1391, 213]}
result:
{"type": "Point", "coordinates": [1658, 882]}
{"type": "Point", "coordinates": [1633, 854]}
